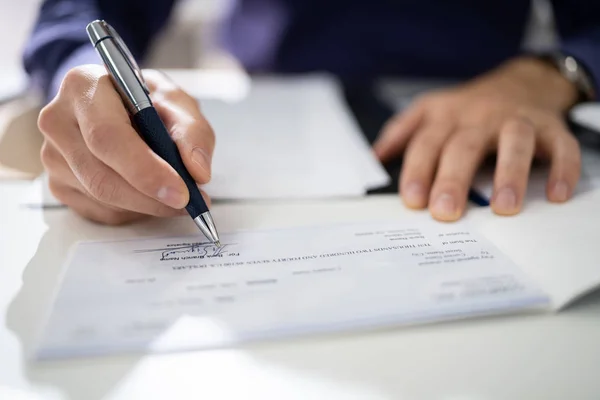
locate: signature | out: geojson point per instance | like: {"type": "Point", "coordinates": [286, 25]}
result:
{"type": "Point", "coordinates": [197, 249]}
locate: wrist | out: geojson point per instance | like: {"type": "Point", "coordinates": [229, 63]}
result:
{"type": "Point", "coordinates": [531, 80]}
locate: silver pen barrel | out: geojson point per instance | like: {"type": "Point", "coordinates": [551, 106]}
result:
{"type": "Point", "coordinates": [120, 65]}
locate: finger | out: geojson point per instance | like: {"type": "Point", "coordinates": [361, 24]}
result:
{"type": "Point", "coordinates": [206, 198]}
{"type": "Point", "coordinates": [57, 167]}
{"type": "Point", "coordinates": [89, 208]}
{"type": "Point", "coordinates": [420, 161]}
{"type": "Point", "coordinates": [565, 158]}
{"type": "Point", "coordinates": [164, 89]}
{"type": "Point", "coordinates": [516, 148]}
{"type": "Point", "coordinates": [106, 128]}
{"type": "Point", "coordinates": [193, 135]}
{"type": "Point", "coordinates": [189, 129]}
{"type": "Point", "coordinates": [106, 186]}
{"type": "Point", "coordinates": [96, 179]}
{"type": "Point", "coordinates": [397, 132]}
{"type": "Point", "coordinates": [458, 163]}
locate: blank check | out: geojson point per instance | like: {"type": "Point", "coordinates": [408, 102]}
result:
{"type": "Point", "coordinates": [173, 294]}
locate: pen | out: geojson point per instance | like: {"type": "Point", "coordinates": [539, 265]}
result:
{"type": "Point", "coordinates": [127, 78]}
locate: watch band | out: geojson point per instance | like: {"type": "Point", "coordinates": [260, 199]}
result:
{"type": "Point", "coordinates": [574, 72]}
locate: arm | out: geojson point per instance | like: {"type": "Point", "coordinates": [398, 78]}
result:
{"type": "Point", "coordinates": [59, 41]}
{"type": "Point", "coordinates": [578, 22]}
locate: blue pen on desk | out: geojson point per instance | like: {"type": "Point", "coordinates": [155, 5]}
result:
{"type": "Point", "coordinates": [127, 78]}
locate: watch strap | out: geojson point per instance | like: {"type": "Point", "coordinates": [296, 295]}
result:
{"type": "Point", "coordinates": [575, 72]}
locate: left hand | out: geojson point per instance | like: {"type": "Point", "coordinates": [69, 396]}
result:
{"type": "Point", "coordinates": [516, 111]}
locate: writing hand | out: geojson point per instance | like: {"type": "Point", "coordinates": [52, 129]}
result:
{"type": "Point", "coordinates": [97, 163]}
{"type": "Point", "coordinates": [515, 111]}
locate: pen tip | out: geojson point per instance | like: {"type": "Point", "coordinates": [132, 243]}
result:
{"type": "Point", "coordinates": [218, 243]}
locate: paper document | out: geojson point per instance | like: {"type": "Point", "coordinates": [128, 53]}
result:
{"type": "Point", "coordinates": [289, 138]}
{"type": "Point", "coordinates": [168, 294]}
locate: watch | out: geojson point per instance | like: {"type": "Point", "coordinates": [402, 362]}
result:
{"type": "Point", "coordinates": [574, 72]}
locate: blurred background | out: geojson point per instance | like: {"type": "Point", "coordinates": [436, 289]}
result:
{"type": "Point", "coordinates": [191, 29]}
{"type": "Point", "coordinates": [186, 43]}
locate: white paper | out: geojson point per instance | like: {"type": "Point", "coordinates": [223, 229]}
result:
{"type": "Point", "coordinates": [289, 138]}
{"type": "Point", "coordinates": [587, 115]}
{"type": "Point", "coordinates": [13, 82]}
{"type": "Point", "coordinates": [168, 294]}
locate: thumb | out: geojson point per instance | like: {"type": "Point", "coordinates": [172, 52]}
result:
{"type": "Point", "coordinates": [193, 136]}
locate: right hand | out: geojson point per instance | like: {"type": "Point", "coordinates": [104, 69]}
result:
{"type": "Point", "coordinates": [97, 163]}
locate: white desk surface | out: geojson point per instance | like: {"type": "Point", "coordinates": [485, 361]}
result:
{"type": "Point", "coordinates": [543, 356]}
{"type": "Point", "coordinates": [546, 356]}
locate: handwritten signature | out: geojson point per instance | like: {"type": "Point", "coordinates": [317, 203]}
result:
{"type": "Point", "coordinates": [199, 249]}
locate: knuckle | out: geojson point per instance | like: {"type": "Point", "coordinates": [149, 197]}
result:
{"type": "Point", "coordinates": [58, 190]}
{"type": "Point", "coordinates": [520, 151]}
{"type": "Point", "coordinates": [520, 126]}
{"type": "Point", "coordinates": [78, 83]}
{"type": "Point", "coordinates": [468, 144]}
{"type": "Point", "coordinates": [102, 187]}
{"type": "Point", "coordinates": [204, 128]}
{"type": "Point", "coordinates": [47, 119]}
{"type": "Point", "coordinates": [48, 155]}
{"type": "Point", "coordinates": [100, 137]}
{"type": "Point", "coordinates": [421, 150]}
{"type": "Point", "coordinates": [75, 79]}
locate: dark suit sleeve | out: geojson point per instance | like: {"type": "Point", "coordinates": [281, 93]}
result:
{"type": "Point", "coordinates": [59, 41]}
{"type": "Point", "coordinates": [578, 23]}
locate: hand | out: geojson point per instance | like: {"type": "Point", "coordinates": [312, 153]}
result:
{"type": "Point", "coordinates": [97, 163]}
{"type": "Point", "coordinates": [515, 111]}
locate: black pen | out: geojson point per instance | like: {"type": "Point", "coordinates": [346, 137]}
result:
{"type": "Point", "coordinates": [127, 78]}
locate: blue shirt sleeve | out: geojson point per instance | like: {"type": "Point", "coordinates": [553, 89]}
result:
{"type": "Point", "coordinates": [59, 41]}
{"type": "Point", "coordinates": [578, 23]}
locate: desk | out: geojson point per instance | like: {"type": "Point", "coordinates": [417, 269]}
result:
{"type": "Point", "coordinates": [529, 357]}
{"type": "Point", "coordinates": [524, 357]}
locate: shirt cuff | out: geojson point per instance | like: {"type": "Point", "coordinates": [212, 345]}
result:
{"type": "Point", "coordinates": [83, 55]}
{"type": "Point", "coordinates": [586, 50]}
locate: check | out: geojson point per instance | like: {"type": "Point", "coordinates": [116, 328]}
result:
{"type": "Point", "coordinates": [167, 294]}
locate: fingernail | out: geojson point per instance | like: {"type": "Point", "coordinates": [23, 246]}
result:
{"type": "Point", "coordinates": [506, 200]}
{"type": "Point", "coordinates": [414, 194]}
{"type": "Point", "coordinates": [201, 158]}
{"type": "Point", "coordinates": [172, 197]}
{"type": "Point", "coordinates": [560, 192]}
{"type": "Point", "coordinates": [444, 206]}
